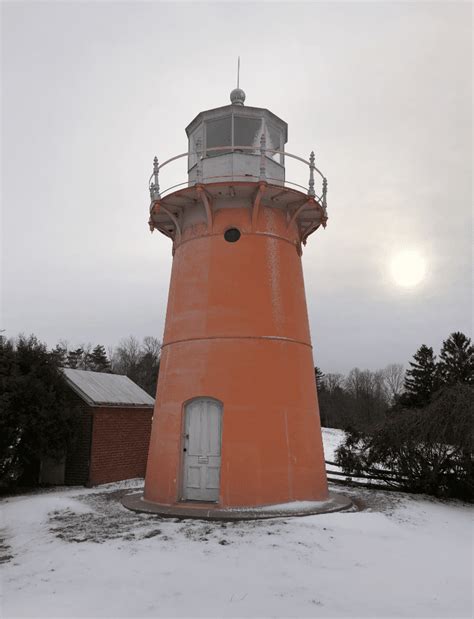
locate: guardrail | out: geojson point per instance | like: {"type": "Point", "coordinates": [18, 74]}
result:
{"type": "Point", "coordinates": [157, 194]}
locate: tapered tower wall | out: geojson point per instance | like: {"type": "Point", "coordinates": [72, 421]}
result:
{"type": "Point", "coordinates": [237, 331]}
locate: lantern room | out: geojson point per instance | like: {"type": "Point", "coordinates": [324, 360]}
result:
{"type": "Point", "coordinates": [228, 141]}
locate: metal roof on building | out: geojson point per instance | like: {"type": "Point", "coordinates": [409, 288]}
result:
{"type": "Point", "coordinates": [98, 388]}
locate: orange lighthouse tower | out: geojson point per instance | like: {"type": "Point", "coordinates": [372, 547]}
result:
{"type": "Point", "coordinates": [236, 422]}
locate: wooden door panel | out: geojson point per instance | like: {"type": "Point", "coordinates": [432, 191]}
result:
{"type": "Point", "coordinates": [202, 459]}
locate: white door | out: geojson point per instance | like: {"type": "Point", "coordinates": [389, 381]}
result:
{"type": "Point", "coordinates": [202, 450]}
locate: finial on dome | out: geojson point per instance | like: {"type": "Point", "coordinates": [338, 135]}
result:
{"type": "Point", "coordinates": [237, 96]}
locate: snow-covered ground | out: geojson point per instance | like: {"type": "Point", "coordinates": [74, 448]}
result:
{"type": "Point", "coordinates": [332, 439]}
{"type": "Point", "coordinates": [78, 553]}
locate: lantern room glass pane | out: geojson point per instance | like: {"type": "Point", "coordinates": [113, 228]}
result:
{"type": "Point", "coordinates": [247, 132]}
{"type": "Point", "coordinates": [218, 133]}
{"type": "Point", "coordinates": [274, 142]}
{"type": "Point", "coordinates": [195, 144]}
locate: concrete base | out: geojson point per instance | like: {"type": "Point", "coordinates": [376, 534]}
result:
{"type": "Point", "coordinates": [210, 511]}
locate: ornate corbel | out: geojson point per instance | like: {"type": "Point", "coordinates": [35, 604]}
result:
{"type": "Point", "coordinates": [207, 202]}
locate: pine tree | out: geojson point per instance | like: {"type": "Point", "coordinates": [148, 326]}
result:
{"type": "Point", "coordinates": [456, 360]}
{"type": "Point", "coordinates": [97, 360]}
{"type": "Point", "coordinates": [36, 419]}
{"type": "Point", "coordinates": [420, 379]}
{"type": "Point", "coordinates": [74, 358]}
{"type": "Point", "coordinates": [60, 355]}
{"type": "Point", "coordinates": [319, 376]}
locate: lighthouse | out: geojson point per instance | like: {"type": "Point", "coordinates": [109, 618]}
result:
{"type": "Point", "coordinates": [236, 421]}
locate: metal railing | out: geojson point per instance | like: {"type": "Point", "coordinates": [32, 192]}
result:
{"type": "Point", "coordinates": [156, 194]}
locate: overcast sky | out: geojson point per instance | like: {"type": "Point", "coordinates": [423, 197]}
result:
{"type": "Point", "coordinates": [381, 91]}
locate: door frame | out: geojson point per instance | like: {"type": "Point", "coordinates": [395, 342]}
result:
{"type": "Point", "coordinates": [180, 477]}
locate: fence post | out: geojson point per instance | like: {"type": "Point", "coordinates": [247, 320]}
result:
{"type": "Point", "coordinates": [263, 145]}
{"type": "Point", "coordinates": [311, 191]}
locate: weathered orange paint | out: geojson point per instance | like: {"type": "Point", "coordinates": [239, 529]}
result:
{"type": "Point", "coordinates": [237, 330]}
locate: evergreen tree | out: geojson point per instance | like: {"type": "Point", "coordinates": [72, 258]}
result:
{"type": "Point", "coordinates": [420, 379]}
{"type": "Point", "coordinates": [75, 358]}
{"type": "Point", "coordinates": [36, 419]}
{"type": "Point", "coordinates": [456, 360]}
{"type": "Point", "coordinates": [60, 354]}
{"type": "Point", "coordinates": [9, 434]}
{"type": "Point", "coordinates": [320, 388]}
{"type": "Point", "coordinates": [97, 360]}
{"type": "Point", "coordinates": [147, 373]}
{"type": "Point", "coordinates": [319, 376]}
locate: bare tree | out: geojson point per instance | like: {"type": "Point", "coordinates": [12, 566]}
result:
{"type": "Point", "coordinates": [140, 362]}
{"type": "Point", "coordinates": [379, 387]}
{"type": "Point", "coordinates": [333, 381]}
{"type": "Point", "coordinates": [369, 399]}
{"type": "Point", "coordinates": [394, 376]}
{"type": "Point", "coordinates": [151, 346]}
{"type": "Point", "coordinates": [333, 402]}
{"type": "Point", "coordinates": [126, 356]}
{"type": "Point", "coordinates": [358, 382]}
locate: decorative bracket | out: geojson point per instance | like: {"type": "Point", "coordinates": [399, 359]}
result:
{"type": "Point", "coordinates": [310, 201]}
{"type": "Point", "coordinates": [207, 202]}
{"type": "Point", "coordinates": [154, 208]}
{"type": "Point", "coordinates": [174, 220]}
{"type": "Point", "coordinates": [309, 230]}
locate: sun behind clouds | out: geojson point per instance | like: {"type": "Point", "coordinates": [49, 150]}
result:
{"type": "Point", "coordinates": [408, 268]}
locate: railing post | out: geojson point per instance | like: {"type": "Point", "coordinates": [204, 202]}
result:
{"type": "Point", "coordinates": [311, 191]}
{"type": "Point", "coordinates": [199, 162]}
{"type": "Point", "coordinates": [155, 186]}
{"type": "Point", "coordinates": [325, 191]}
{"type": "Point", "coordinates": [263, 163]}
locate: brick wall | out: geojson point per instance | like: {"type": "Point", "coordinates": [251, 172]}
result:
{"type": "Point", "coordinates": [120, 438]}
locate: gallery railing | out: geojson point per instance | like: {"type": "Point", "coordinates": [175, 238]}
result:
{"type": "Point", "coordinates": [157, 194]}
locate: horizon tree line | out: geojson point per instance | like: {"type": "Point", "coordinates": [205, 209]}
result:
{"type": "Point", "coordinates": [36, 420]}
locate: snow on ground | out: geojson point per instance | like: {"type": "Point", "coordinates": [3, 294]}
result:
{"type": "Point", "coordinates": [332, 439]}
{"type": "Point", "coordinates": [77, 552]}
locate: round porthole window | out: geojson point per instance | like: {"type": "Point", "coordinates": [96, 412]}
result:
{"type": "Point", "coordinates": [232, 235]}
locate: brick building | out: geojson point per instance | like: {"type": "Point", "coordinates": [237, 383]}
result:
{"type": "Point", "coordinates": [111, 441]}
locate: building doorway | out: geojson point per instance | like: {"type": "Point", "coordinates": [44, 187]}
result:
{"type": "Point", "coordinates": [202, 450]}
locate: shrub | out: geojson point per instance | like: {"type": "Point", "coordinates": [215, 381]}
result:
{"type": "Point", "coordinates": [36, 419]}
{"type": "Point", "coordinates": [429, 449]}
